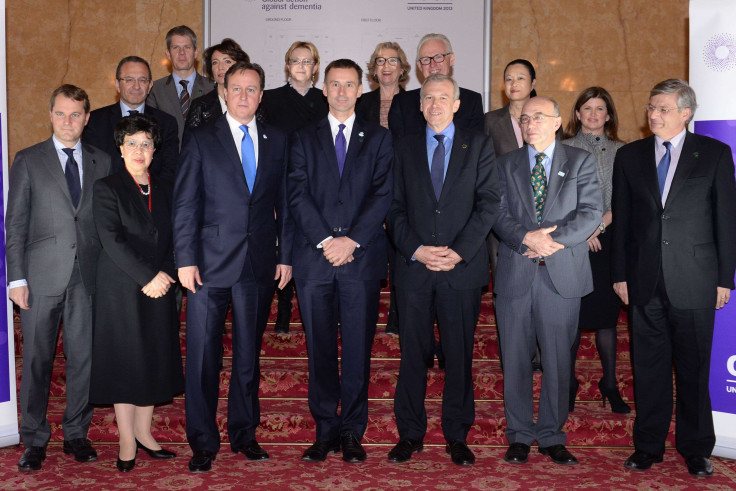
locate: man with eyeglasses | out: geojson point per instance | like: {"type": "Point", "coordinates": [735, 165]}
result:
{"type": "Point", "coordinates": [51, 254]}
{"type": "Point", "coordinates": [673, 260]}
{"type": "Point", "coordinates": [133, 82]}
{"type": "Point", "coordinates": [174, 93]}
{"type": "Point", "coordinates": [434, 55]}
{"type": "Point", "coordinates": [550, 205]}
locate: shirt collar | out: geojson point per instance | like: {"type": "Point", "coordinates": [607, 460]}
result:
{"type": "Point", "coordinates": [676, 140]}
{"type": "Point", "coordinates": [189, 79]}
{"type": "Point", "coordinates": [60, 146]}
{"type": "Point", "coordinates": [124, 108]}
{"type": "Point", "coordinates": [334, 122]}
{"type": "Point", "coordinates": [448, 132]}
{"type": "Point", "coordinates": [235, 124]}
{"type": "Point", "coordinates": [549, 151]}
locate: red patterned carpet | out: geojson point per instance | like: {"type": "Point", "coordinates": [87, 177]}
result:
{"type": "Point", "coordinates": [600, 439]}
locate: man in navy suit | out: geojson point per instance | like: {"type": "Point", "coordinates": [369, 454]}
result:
{"type": "Point", "coordinates": [339, 189]}
{"type": "Point", "coordinates": [133, 82]}
{"type": "Point", "coordinates": [230, 182]}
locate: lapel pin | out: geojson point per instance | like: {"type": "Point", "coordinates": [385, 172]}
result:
{"type": "Point", "coordinates": [464, 146]}
{"type": "Point", "coordinates": [695, 155]}
{"type": "Point", "coordinates": [561, 174]}
{"type": "Point", "coordinates": [361, 135]}
{"type": "Point", "coordinates": [265, 136]}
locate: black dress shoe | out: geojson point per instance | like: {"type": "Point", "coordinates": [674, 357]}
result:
{"type": "Point", "coordinates": [559, 455]}
{"type": "Point", "coordinates": [81, 448]}
{"type": "Point", "coordinates": [283, 318]}
{"type": "Point", "coordinates": [460, 453]}
{"type": "Point", "coordinates": [352, 450]}
{"type": "Point", "coordinates": [699, 466]}
{"type": "Point", "coordinates": [201, 461]}
{"type": "Point", "coordinates": [518, 453]}
{"type": "Point", "coordinates": [319, 450]}
{"type": "Point", "coordinates": [404, 449]}
{"type": "Point", "coordinates": [125, 465]}
{"type": "Point", "coordinates": [251, 450]}
{"type": "Point", "coordinates": [31, 459]}
{"type": "Point", "coordinates": [641, 461]}
{"type": "Point", "coordinates": [155, 454]}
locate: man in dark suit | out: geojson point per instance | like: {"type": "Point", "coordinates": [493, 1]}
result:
{"type": "Point", "coordinates": [133, 81]}
{"type": "Point", "coordinates": [550, 205]}
{"type": "Point", "coordinates": [51, 254]}
{"type": "Point", "coordinates": [445, 202]}
{"type": "Point", "coordinates": [174, 93]}
{"type": "Point", "coordinates": [434, 55]}
{"type": "Point", "coordinates": [339, 188]}
{"type": "Point", "coordinates": [231, 180]}
{"type": "Point", "coordinates": [673, 260]}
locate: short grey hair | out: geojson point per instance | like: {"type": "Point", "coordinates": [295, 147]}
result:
{"type": "Point", "coordinates": [434, 37]}
{"type": "Point", "coordinates": [549, 99]}
{"type": "Point", "coordinates": [685, 94]}
{"type": "Point", "coordinates": [438, 77]}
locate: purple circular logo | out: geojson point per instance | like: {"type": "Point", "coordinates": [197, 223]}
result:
{"type": "Point", "coordinates": [719, 53]}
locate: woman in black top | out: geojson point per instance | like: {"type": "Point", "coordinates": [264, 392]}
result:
{"type": "Point", "coordinates": [389, 69]}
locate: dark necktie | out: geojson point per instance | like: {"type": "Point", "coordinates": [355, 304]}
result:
{"type": "Point", "coordinates": [71, 172]}
{"type": "Point", "coordinates": [539, 184]}
{"type": "Point", "coordinates": [249, 157]}
{"type": "Point", "coordinates": [341, 146]}
{"type": "Point", "coordinates": [184, 99]}
{"type": "Point", "coordinates": [663, 167]}
{"type": "Point", "coordinates": [132, 112]}
{"type": "Point", "coordinates": [437, 170]}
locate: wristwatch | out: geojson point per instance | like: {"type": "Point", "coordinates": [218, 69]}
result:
{"type": "Point", "coordinates": [602, 227]}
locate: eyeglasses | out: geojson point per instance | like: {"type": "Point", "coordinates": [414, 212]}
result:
{"type": "Point", "coordinates": [132, 81]}
{"type": "Point", "coordinates": [145, 145]}
{"type": "Point", "coordinates": [393, 61]}
{"type": "Point", "coordinates": [663, 110]}
{"type": "Point", "coordinates": [536, 117]}
{"type": "Point", "coordinates": [305, 62]}
{"type": "Point", "coordinates": [438, 58]}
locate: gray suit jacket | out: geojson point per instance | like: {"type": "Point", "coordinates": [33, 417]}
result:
{"type": "Point", "coordinates": [164, 96]}
{"type": "Point", "coordinates": [573, 204]}
{"type": "Point", "coordinates": [44, 232]}
{"type": "Point", "coordinates": [497, 125]}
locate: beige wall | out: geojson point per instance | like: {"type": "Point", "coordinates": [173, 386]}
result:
{"type": "Point", "coordinates": [624, 45]}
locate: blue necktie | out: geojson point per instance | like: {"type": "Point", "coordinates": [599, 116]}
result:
{"type": "Point", "coordinates": [437, 170]}
{"type": "Point", "coordinates": [71, 172]}
{"type": "Point", "coordinates": [341, 146]}
{"type": "Point", "coordinates": [663, 167]}
{"type": "Point", "coordinates": [248, 155]}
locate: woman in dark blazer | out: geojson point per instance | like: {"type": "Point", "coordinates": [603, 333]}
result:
{"type": "Point", "coordinates": [388, 68]}
{"type": "Point", "coordinates": [216, 59]}
{"type": "Point", "coordinates": [136, 354]}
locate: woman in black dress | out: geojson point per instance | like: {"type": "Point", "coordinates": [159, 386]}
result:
{"type": "Point", "coordinates": [136, 355]}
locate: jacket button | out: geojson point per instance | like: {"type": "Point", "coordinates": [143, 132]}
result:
{"type": "Point", "coordinates": [433, 235]}
{"type": "Point", "coordinates": [340, 202]}
{"type": "Point", "coordinates": [76, 219]}
{"type": "Point", "coordinates": [665, 217]}
{"type": "Point", "coordinates": [666, 242]}
{"type": "Point", "coordinates": [334, 229]}
{"type": "Point", "coordinates": [437, 211]}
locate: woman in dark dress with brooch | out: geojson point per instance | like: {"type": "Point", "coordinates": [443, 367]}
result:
{"type": "Point", "coordinates": [292, 107]}
{"type": "Point", "coordinates": [136, 355]}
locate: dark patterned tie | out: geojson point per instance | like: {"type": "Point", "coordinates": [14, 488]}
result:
{"type": "Point", "coordinates": [539, 184]}
{"type": "Point", "coordinates": [184, 99]}
{"type": "Point", "coordinates": [341, 146]}
{"type": "Point", "coordinates": [71, 172]}
{"type": "Point", "coordinates": [663, 167]}
{"type": "Point", "coordinates": [437, 170]}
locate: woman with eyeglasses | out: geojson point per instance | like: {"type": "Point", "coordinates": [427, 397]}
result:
{"type": "Point", "coordinates": [593, 126]}
{"type": "Point", "coordinates": [136, 354]}
{"type": "Point", "coordinates": [389, 69]}
{"type": "Point", "coordinates": [216, 60]}
{"type": "Point", "coordinates": [297, 103]}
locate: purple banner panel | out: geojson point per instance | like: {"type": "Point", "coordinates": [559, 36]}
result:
{"type": "Point", "coordinates": [723, 353]}
{"type": "Point", "coordinates": [5, 330]}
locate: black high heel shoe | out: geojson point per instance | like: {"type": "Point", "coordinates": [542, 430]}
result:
{"type": "Point", "coordinates": [155, 454]}
{"type": "Point", "coordinates": [573, 395]}
{"type": "Point", "coordinates": [614, 397]}
{"type": "Point", "coordinates": [125, 465]}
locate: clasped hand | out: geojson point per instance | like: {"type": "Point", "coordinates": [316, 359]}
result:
{"type": "Point", "coordinates": [159, 285]}
{"type": "Point", "coordinates": [540, 243]}
{"type": "Point", "coordinates": [339, 251]}
{"type": "Point", "coordinates": [437, 258]}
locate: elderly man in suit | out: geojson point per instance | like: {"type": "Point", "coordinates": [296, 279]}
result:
{"type": "Point", "coordinates": [231, 180]}
{"type": "Point", "coordinates": [550, 205]}
{"type": "Point", "coordinates": [445, 202]}
{"type": "Point", "coordinates": [133, 82]}
{"type": "Point", "coordinates": [51, 253]}
{"type": "Point", "coordinates": [339, 192]}
{"type": "Point", "coordinates": [174, 93]}
{"type": "Point", "coordinates": [673, 260]}
{"type": "Point", "coordinates": [434, 55]}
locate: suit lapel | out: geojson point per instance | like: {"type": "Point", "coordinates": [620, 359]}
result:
{"type": "Point", "coordinates": [685, 166]}
{"type": "Point", "coordinates": [53, 165]}
{"type": "Point", "coordinates": [357, 135]}
{"type": "Point", "coordinates": [523, 179]}
{"type": "Point", "coordinates": [134, 192]}
{"type": "Point", "coordinates": [648, 170]}
{"type": "Point", "coordinates": [557, 176]}
{"type": "Point", "coordinates": [327, 145]}
{"type": "Point", "coordinates": [89, 166]}
{"type": "Point", "coordinates": [264, 155]}
{"type": "Point", "coordinates": [457, 160]}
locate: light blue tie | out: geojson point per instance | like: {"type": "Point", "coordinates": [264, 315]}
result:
{"type": "Point", "coordinates": [248, 154]}
{"type": "Point", "coordinates": [663, 167]}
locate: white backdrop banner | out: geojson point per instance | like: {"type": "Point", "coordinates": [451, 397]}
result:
{"type": "Point", "coordinates": [8, 407]}
{"type": "Point", "coordinates": [712, 76]}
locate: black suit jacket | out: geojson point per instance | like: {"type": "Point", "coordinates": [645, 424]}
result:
{"type": "Point", "coordinates": [100, 132]}
{"type": "Point", "coordinates": [369, 105]}
{"type": "Point", "coordinates": [693, 236]}
{"type": "Point", "coordinates": [466, 211]}
{"type": "Point", "coordinates": [405, 117]}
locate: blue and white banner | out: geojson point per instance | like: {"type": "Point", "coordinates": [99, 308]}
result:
{"type": "Point", "coordinates": [8, 407]}
{"type": "Point", "coordinates": [712, 75]}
